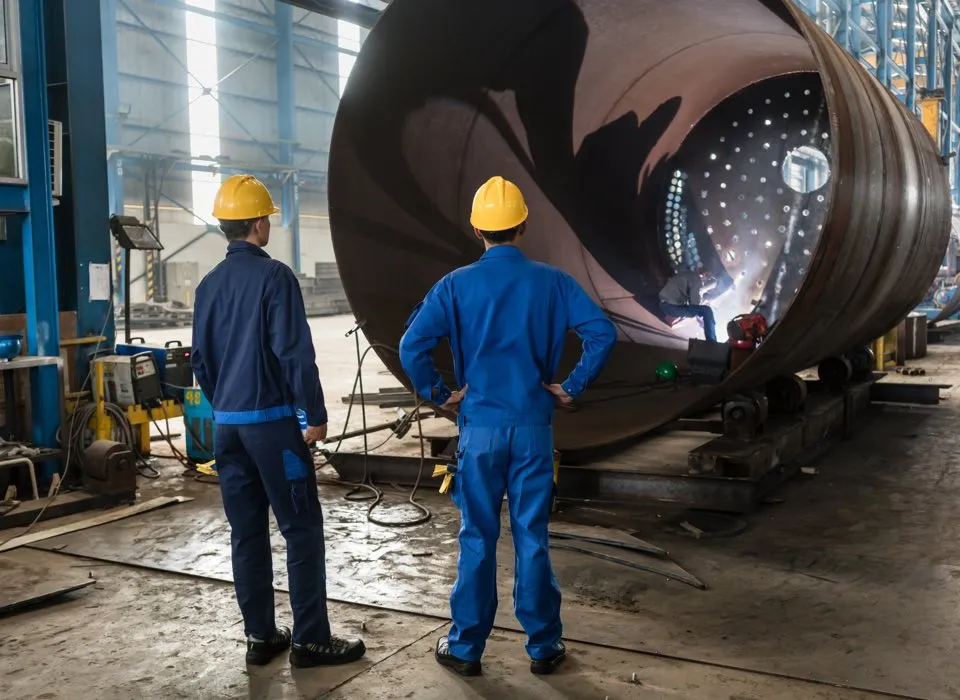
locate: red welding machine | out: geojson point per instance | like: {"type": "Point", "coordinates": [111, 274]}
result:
{"type": "Point", "coordinates": [747, 330]}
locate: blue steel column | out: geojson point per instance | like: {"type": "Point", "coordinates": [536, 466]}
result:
{"type": "Point", "coordinates": [111, 97]}
{"type": "Point", "coordinates": [933, 34]}
{"type": "Point", "coordinates": [912, 55]}
{"type": "Point", "coordinates": [286, 115]}
{"type": "Point", "coordinates": [847, 25]}
{"type": "Point", "coordinates": [884, 41]}
{"type": "Point", "coordinates": [90, 199]}
{"type": "Point", "coordinates": [39, 246]}
{"type": "Point", "coordinates": [955, 119]}
{"type": "Point", "coordinates": [948, 95]}
{"type": "Point", "coordinates": [855, 23]}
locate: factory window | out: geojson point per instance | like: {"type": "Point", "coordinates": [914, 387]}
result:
{"type": "Point", "coordinates": [348, 37]}
{"type": "Point", "coordinates": [203, 79]}
{"type": "Point", "coordinates": [806, 169]}
{"type": "Point", "coordinates": [11, 145]}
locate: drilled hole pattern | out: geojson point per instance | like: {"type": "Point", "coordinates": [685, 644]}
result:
{"type": "Point", "coordinates": [749, 195]}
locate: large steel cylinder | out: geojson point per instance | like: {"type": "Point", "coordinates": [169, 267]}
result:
{"type": "Point", "coordinates": [648, 136]}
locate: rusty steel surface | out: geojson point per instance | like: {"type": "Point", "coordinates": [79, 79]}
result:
{"type": "Point", "coordinates": [648, 137]}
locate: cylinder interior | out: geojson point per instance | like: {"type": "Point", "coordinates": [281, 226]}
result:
{"type": "Point", "coordinates": [647, 136]}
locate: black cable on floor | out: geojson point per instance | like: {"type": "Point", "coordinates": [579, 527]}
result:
{"type": "Point", "coordinates": [373, 493]}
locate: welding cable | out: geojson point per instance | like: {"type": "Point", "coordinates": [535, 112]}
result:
{"type": "Point", "coordinates": [68, 444]}
{"type": "Point", "coordinates": [177, 454]}
{"type": "Point", "coordinates": [374, 494]}
{"type": "Point", "coordinates": [189, 466]}
{"type": "Point", "coordinates": [122, 432]}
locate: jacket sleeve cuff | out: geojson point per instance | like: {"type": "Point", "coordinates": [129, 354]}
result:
{"type": "Point", "coordinates": [317, 418]}
{"type": "Point", "coordinates": [572, 389]}
{"type": "Point", "coordinates": [440, 394]}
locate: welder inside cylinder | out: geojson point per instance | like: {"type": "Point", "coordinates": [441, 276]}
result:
{"type": "Point", "coordinates": [748, 194]}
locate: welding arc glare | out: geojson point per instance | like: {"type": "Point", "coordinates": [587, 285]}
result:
{"type": "Point", "coordinates": [754, 199]}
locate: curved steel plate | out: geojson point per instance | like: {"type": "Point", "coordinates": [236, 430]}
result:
{"type": "Point", "coordinates": [646, 136]}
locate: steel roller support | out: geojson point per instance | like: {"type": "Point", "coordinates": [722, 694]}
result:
{"type": "Point", "coordinates": [648, 136]}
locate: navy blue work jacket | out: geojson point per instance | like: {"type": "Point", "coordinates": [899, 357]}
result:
{"type": "Point", "coordinates": [253, 354]}
{"type": "Point", "coordinates": [506, 318]}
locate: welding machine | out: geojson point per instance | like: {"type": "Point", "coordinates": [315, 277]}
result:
{"type": "Point", "coordinates": [173, 364]}
{"type": "Point", "coordinates": [129, 380]}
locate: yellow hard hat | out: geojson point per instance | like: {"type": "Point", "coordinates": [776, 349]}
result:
{"type": "Point", "coordinates": [498, 206]}
{"type": "Point", "coordinates": [243, 197]}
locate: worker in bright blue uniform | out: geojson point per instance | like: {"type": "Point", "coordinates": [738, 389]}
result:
{"type": "Point", "coordinates": [253, 358]}
{"type": "Point", "coordinates": [506, 318]}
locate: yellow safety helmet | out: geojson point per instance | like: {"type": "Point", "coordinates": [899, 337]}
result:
{"type": "Point", "coordinates": [243, 197]}
{"type": "Point", "coordinates": [498, 206]}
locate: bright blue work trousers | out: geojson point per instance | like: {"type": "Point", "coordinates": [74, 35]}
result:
{"type": "Point", "coordinates": [268, 466]}
{"type": "Point", "coordinates": [517, 461]}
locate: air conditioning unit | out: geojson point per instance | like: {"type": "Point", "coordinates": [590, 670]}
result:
{"type": "Point", "coordinates": [56, 158]}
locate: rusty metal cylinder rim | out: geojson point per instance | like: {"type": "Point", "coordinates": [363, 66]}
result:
{"type": "Point", "coordinates": [414, 136]}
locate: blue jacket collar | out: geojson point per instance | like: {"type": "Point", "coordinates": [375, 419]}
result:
{"type": "Point", "coordinates": [503, 251]}
{"type": "Point", "coordinates": [244, 247]}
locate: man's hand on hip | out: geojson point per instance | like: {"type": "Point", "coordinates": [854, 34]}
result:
{"type": "Point", "coordinates": [315, 433]}
{"type": "Point", "coordinates": [563, 398]}
{"type": "Point", "coordinates": [452, 405]}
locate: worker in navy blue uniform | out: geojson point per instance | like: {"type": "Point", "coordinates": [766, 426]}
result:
{"type": "Point", "coordinates": [253, 358]}
{"type": "Point", "coordinates": [506, 318]}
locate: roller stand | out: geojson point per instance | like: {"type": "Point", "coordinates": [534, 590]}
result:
{"type": "Point", "coordinates": [744, 416]}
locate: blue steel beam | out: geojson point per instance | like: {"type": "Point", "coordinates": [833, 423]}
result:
{"type": "Point", "coordinates": [39, 244]}
{"type": "Point", "coordinates": [948, 94]}
{"type": "Point", "coordinates": [341, 9]}
{"type": "Point", "coordinates": [179, 85]}
{"type": "Point", "coordinates": [954, 128]}
{"type": "Point", "coordinates": [912, 54]}
{"type": "Point", "coordinates": [286, 120]}
{"type": "Point", "coordinates": [111, 95]}
{"type": "Point", "coordinates": [257, 142]}
{"type": "Point", "coordinates": [241, 53]}
{"type": "Point", "coordinates": [855, 22]}
{"type": "Point", "coordinates": [88, 185]}
{"type": "Point", "coordinates": [184, 163]}
{"type": "Point", "coordinates": [224, 138]}
{"type": "Point", "coordinates": [847, 25]}
{"type": "Point", "coordinates": [254, 26]}
{"type": "Point", "coordinates": [205, 88]}
{"type": "Point", "coordinates": [932, 44]}
{"type": "Point", "coordinates": [884, 27]}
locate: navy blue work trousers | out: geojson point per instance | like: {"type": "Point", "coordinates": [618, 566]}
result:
{"type": "Point", "coordinates": [703, 312]}
{"type": "Point", "coordinates": [517, 461]}
{"type": "Point", "coordinates": [268, 466]}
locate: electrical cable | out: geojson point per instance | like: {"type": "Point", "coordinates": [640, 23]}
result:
{"type": "Point", "coordinates": [67, 457]}
{"type": "Point", "coordinates": [122, 432]}
{"type": "Point", "coordinates": [189, 468]}
{"type": "Point", "coordinates": [375, 494]}
{"type": "Point", "coordinates": [186, 426]}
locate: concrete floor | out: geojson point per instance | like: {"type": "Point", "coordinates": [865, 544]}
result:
{"type": "Point", "coordinates": [854, 580]}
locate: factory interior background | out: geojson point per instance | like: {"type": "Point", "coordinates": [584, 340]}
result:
{"type": "Point", "coordinates": [720, 529]}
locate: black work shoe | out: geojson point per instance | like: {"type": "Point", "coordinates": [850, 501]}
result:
{"type": "Point", "coordinates": [546, 666]}
{"type": "Point", "coordinates": [260, 652]}
{"type": "Point", "coordinates": [445, 658]}
{"type": "Point", "coordinates": [336, 652]}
